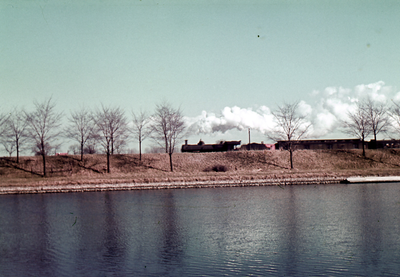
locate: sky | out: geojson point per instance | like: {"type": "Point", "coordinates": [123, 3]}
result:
{"type": "Point", "coordinates": [227, 64]}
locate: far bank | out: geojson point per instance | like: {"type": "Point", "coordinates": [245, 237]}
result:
{"type": "Point", "coordinates": [198, 169]}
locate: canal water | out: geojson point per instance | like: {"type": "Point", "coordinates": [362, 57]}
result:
{"type": "Point", "coordinates": [330, 230]}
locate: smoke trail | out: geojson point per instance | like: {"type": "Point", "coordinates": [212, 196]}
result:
{"type": "Point", "coordinates": [232, 118]}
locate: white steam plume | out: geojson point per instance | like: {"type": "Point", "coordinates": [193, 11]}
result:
{"type": "Point", "coordinates": [232, 118]}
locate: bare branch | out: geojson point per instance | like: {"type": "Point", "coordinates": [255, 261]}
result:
{"type": "Point", "coordinates": [358, 124]}
{"type": "Point", "coordinates": [141, 128]}
{"type": "Point", "coordinates": [112, 130]}
{"type": "Point", "coordinates": [3, 120]}
{"type": "Point", "coordinates": [291, 126]}
{"type": "Point", "coordinates": [167, 127]}
{"type": "Point", "coordinates": [43, 127]}
{"type": "Point", "coordinates": [377, 115]}
{"type": "Point", "coordinates": [81, 128]}
{"type": "Point", "coordinates": [394, 114]}
{"type": "Point", "coordinates": [15, 132]}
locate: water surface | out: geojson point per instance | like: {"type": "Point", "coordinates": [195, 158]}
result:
{"type": "Point", "coordinates": [293, 230]}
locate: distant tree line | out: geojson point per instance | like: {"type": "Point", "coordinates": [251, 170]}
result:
{"type": "Point", "coordinates": [105, 130]}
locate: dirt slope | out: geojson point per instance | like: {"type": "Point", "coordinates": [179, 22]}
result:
{"type": "Point", "coordinates": [244, 165]}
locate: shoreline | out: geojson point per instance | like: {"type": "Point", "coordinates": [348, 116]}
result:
{"type": "Point", "coordinates": [197, 170]}
{"type": "Point", "coordinates": [221, 183]}
{"type": "Point", "coordinates": [169, 185]}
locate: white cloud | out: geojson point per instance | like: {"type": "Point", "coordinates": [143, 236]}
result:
{"type": "Point", "coordinates": [304, 109]}
{"type": "Point", "coordinates": [325, 112]}
{"type": "Point", "coordinates": [396, 97]}
{"type": "Point", "coordinates": [377, 92]}
{"type": "Point", "coordinates": [324, 123]}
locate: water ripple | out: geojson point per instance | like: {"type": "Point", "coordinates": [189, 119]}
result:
{"type": "Point", "coordinates": [333, 230]}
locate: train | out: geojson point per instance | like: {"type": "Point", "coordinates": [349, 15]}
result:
{"type": "Point", "coordinates": [334, 144]}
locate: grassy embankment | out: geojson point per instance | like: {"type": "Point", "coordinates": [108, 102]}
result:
{"type": "Point", "coordinates": [243, 165]}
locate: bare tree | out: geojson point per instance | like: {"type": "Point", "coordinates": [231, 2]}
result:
{"type": "Point", "coordinates": [358, 124]}
{"type": "Point", "coordinates": [15, 132]}
{"type": "Point", "coordinates": [119, 129]}
{"type": "Point", "coordinates": [377, 115]}
{"type": "Point", "coordinates": [167, 126]}
{"type": "Point", "coordinates": [291, 126]}
{"type": "Point", "coordinates": [112, 128]}
{"type": "Point", "coordinates": [140, 129]}
{"type": "Point", "coordinates": [43, 127]}
{"type": "Point", "coordinates": [394, 114]}
{"type": "Point", "coordinates": [3, 119]}
{"type": "Point", "coordinates": [81, 128]}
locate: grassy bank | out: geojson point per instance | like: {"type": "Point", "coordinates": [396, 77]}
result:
{"type": "Point", "coordinates": [192, 167]}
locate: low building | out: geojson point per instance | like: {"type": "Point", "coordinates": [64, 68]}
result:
{"type": "Point", "coordinates": [382, 144]}
{"type": "Point", "coordinates": [322, 144]}
{"type": "Point", "coordinates": [202, 147]}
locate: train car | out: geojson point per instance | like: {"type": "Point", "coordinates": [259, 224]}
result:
{"type": "Point", "coordinates": [202, 147]}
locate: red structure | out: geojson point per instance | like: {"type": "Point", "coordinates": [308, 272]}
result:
{"type": "Point", "coordinates": [257, 146]}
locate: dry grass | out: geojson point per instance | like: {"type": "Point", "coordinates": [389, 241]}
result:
{"type": "Point", "coordinates": [241, 165]}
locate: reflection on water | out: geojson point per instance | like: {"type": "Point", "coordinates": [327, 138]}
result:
{"type": "Point", "coordinates": [294, 230]}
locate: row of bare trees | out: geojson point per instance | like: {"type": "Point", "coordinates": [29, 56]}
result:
{"type": "Point", "coordinates": [107, 127]}
{"type": "Point", "coordinates": [368, 118]}
{"type": "Point", "coordinates": [38, 128]}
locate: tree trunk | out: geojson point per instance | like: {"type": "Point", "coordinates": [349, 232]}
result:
{"type": "Point", "coordinates": [81, 151]}
{"type": "Point", "coordinates": [166, 144]}
{"type": "Point", "coordinates": [43, 157]}
{"type": "Point", "coordinates": [363, 146]}
{"type": "Point", "coordinates": [17, 143]}
{"type": "Point", "coordinates": [108, 159]}
{"type": "Point", "coordinates": [140, 150]}
{"type": "Point", "coordinates": [44, 163]}
{"type": "Point", "coordinates": [291, 157]}
{"type": "Point", "coordinates": [373, 144]}
{"type": "Point", "coordinates": [170, 161]}
{"type": "Point", "coordinates": [290, 154]}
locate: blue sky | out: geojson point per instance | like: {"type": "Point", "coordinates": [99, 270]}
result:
{"type": "Point", "coordinates": [204, 56]}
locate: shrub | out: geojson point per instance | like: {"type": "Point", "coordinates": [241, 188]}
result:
{"type": "Point", "coordinates": [217, 168]}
